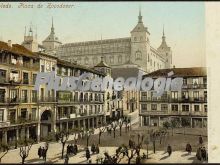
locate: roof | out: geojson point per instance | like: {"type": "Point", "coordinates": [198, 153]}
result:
{"type": "Point", "coordinates": [17, 49]}
{"type": "Point", "coordinates": [102, 64]}
{"type": "Point", "coordinates": [179, 72]}
{"type": "Point", "coordinates": [75, 65]}
{"type": "Point", "coordinates": [125, 72]}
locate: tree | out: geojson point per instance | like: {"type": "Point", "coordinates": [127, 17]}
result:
{"type": "Point", "coordinates": [174, 124]}
{"type": "Point", "coordinates": [166, 124]}
{"type": "Point", "coordinates": [185, 122]}
{"type": "Point", "coordinates": [147, 141]}
{"type": "Point", "coordinates": [4, 150]}
{"type": "Point", "coordinates": [25, 147]}
{"type": "Point", "coordinates": [63, 136]}
{"type": "Point", "coordinates": [114, 125]}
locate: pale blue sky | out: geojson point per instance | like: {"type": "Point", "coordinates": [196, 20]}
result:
{"type": "Point", "coordinates": [184, 24]}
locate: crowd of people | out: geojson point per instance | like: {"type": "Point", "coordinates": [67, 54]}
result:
{"type": "Point", "coordinates": [72, 149]}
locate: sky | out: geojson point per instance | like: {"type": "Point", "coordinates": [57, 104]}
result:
{"type": "Point", "coordinates": [184, 24]}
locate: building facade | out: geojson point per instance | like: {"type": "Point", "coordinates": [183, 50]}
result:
{"type": "Point", "coordinates": [26, 112]}
{"type": "Point", "coordinates": [136, 48]}
{"type": "Point", "coordinates": [190, 103]}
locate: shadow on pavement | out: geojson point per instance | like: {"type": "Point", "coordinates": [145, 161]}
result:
{"type": "Point", "coordinates": [165, 157]}
{"type": "Point", "coordinates": [186, 154]}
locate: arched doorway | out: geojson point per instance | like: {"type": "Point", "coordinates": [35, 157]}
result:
{"type": "Point", "coordinates": [45, 123]}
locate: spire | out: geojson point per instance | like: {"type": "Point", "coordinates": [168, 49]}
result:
{"type": "Point", "coordinates": [30, 30]}
{"type": "Point", "coordinates": [163, 37]}
{"type": "Point", "coordinates": [140, 16]}
{"type": "Point", "coordinates": [52, 28]}
{"type": "Point", "coordinates": [163, 30]}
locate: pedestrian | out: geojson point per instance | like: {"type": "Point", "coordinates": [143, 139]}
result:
{"type": "Point", "coordinates": [71, 149]}
{"type": "Point", "coordinates": [43, 153]}
{"type": "Point", "coordinates": [97, 149]}
{"type": "Point", "coordinates": [93, 149]}
{"type": "Point", "coordinates": [188, 148]}
{"type": "Point", "coordinates": [200, 140]}
{"type": "Point", "coordinates": [203, 153]}
{"type": "Point", "coordinates": [75, 148]}
{"type": "Point", "coordinates": [169, 150]}
{"type": "Point", "coordinates": [198, 154]}
{"type": "Point", "coordinates": [68, 149]}
{"type": "Point", "coordinates": [87, 153]}
{"type": "Point", "coordinates": [66, 161]}
{"type": "Point", "coordinates": [39, 152]}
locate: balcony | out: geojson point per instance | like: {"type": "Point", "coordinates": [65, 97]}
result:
{"type": "Point", "coordinates": [47, 99]}
{"type": "Point", "coordinates": [25, 81]}
{"type": "Point", "coordinates": [194, 86]}
{"type": "Point", "coordinates": [154, 112]}
{"type": "Point", "coordinates": [24, 100]}
{"type": "Point", "coordinates": [175, 100]}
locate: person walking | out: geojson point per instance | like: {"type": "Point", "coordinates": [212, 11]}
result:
{"type": "Point", "coordinates": [93, 149]}
{"type": "Point", "coordinates": [169, 150]}
{"type": "Point", "coordinates": [199, 154]}
{"type": "Point", "coordinates": [87, 153]}
{"type": "Point", "coordinates": [200, 140]}
{"type": "Point", "coordinates": [39, 152]}
{"type": "Point", "coordinates": [188, 148]}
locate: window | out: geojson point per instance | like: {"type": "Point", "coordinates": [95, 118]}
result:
{"type": "Point", "coordinates": [119, 59]}
{"type": "Point", "coordinates": [144, 106]}
{"type": "Point", "coordinates": [1, 115]}
{"type": "Point", "coordinates": [205, 95]}
{"type": "Point", "coordinates": [34, 114]}
{"type": "Point", "coordinates": [34, 78]}
{"type": "Point", "coordinates": [144, 96]}
{"type": "Point", "coordinates": [174, 95]}
{"type": "Point", "coordinates": [185, 107]}
{"type": "Point", "coordinates": [112, 59]}
{"type": "Point", "coordinates": [196, 108]}
{"type": "Point", "coordinates": [34, 96]}
{"type": "Point", "coordinates": [205, 108]}
{"type": "Point", "coordinates": [204, 80]}
{"type": "Point", "coordinates": [185, 95]}
{"type": "Point", "coordinates": [24, 96]}
{"type": "Point", "coordinates": [2, 75]}
{"type": "Point", "coordinates": [42, 68]}
{"type": "Point", "coordinates": [164, 107]}
{"type": "Point", "coordinates": [2, 95]}
{"type": "Point", "coordinates": [174, 107]}
{"type": "Point", "coordinates": [153, 107]}
{"type": "Point", "coordinates": [25, 78]}
{"type": "Point", "coordinates": [196, 95]}
{"type": "Point", "coordinates": [184, 81]}
{"type": "Point", "coordinates": [195, 82]}
{"type": "Point", "coordinates": [138, 55]}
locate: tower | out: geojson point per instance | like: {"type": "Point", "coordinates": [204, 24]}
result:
{"type": "Point", "coordinates": [140, 43]}
{"type": "Point", "coordinates": [30, 40]}
{"type": "Point", "coordinates": [51, 43]}
{"type": "Point", "coordinates": [165, 51]}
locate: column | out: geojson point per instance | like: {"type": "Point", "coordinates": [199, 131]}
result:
{"type": "Point", "coordinates": [84, 123]}
{"type": "Point", "coordinates": [202, 122]}
{"type": "Point", "coordinates": [27, 132]}
{"type": "Point", "coordinates": [159, 121]}
{"type": "Point", "coordinates": [141, 121]}
{"type": "Point", "coordinates": [149, 121]}
{"type": "Point", "coordinates": [67, 126]}
{"type": "Point", "coordinates": [5, 137]}
{"type": "Point", "coordinates": [61, 127]}
{"type": "Point", "coordinates": [89, 123]}
{"type": "Point", "coordinates": [17, 134]}
{"type": "Point", "coordinates": [93, 122]}
{"type": "Point", "coordinates": [191, 122]}
{"type": "Point", "coordinates": [38, 132]}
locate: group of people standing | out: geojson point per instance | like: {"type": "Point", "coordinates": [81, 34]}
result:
{"type": "Point", "coordinates": [94, 149]}
{"type": "Point", "coordinates": [42, 152]}
{"type": "Point", "coordinates": [72, 149]}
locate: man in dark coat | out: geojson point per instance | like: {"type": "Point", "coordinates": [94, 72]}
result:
{"type": "Point", "coordinates": [93, 149]}
{"type": "Point", "coordinates": [40, 152]}
{"type": "Point", "coordinates": [169, 150]}
{"type": "Point", "coordinates": [200, 140]}
{"type": "Point", "coordinates": [87, 154]}
{"type": "Point", "coordinates": [188, 148]}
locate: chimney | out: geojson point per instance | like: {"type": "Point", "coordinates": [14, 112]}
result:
{"type": "Point", "coordinates": [9, 43]}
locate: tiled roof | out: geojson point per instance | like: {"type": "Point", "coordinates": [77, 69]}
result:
{"type": "Point", "coordinates": [74, 65]}
{"type": "Point", "coordinates": [17, 49]}
{"type": "Point", "coordinates": [125, 72]}
{"type": "Point", "coordinates": [179, 72]}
